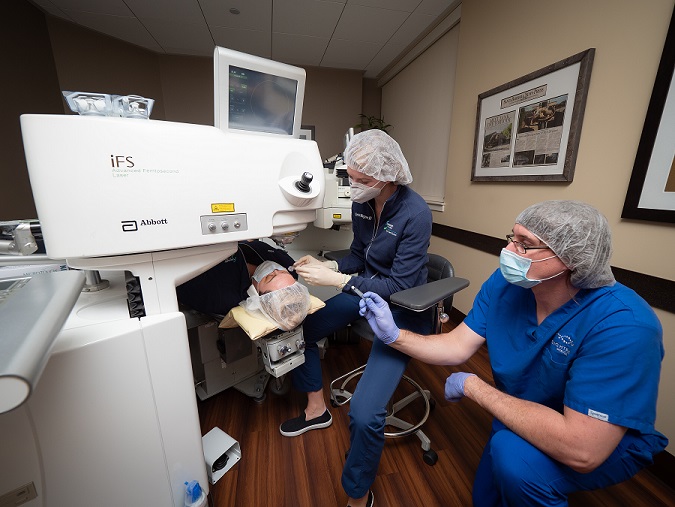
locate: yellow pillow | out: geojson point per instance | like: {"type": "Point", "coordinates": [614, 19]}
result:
{"type": "Point", "coordinates": [256, 327]}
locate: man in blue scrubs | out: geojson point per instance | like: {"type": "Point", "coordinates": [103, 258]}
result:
{"type": "Point", "coordinates": [575, 356]}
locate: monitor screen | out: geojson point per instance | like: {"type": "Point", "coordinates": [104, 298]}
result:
{"type": "Point", "coordinates": [261, 102]}
{"type": "Point", "coordinates": [255, 94]}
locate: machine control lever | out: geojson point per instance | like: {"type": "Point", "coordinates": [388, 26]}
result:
{"type": "Point", "coordinates": [303, 183]}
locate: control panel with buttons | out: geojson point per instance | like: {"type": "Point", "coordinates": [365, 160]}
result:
{"type": "Point", "coordinates": [219, 224]}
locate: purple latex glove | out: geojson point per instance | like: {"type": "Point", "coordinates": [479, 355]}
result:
{"type": "Point", "coordinates": [377, 313]}
{"type": "Point", "coordinates": [454, 386]}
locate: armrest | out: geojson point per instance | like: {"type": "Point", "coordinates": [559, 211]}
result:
{"type": "Point", "coordinates": [424, 296]}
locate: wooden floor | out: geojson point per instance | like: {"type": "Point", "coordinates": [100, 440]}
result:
{"type": "Point", "coordinates": [305, 471]}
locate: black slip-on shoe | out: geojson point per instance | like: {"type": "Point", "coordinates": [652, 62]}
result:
{"type": "Point", "coordinates": [371, 499]}
{"type": "Point", "coordinates": [298, 425]}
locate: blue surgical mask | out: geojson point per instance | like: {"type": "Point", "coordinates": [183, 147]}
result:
{"type": "Point", "coordinates": [514, 267]}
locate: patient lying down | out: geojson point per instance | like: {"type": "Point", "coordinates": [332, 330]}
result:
{"type": "Point", "coordinates": [275, 293]}
{"type": "Point", "coordinates": [256, 278]}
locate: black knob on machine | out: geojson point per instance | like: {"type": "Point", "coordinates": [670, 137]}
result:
{"type": "Point", "coordinates": [303, 183]}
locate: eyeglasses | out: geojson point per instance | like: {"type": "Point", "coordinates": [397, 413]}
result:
{"type": "Point", "coordinates": [520, 247]}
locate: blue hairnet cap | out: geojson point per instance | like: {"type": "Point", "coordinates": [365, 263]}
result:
{"type": "Point", "coordinates": [578, 234]}
{"type": "Point", "coordinates": [376, 154]}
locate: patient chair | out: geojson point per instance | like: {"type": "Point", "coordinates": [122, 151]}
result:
{"type": "Point", "coordinates": [438, 292]}
{"type": "Point", "coordinates": [229, 357]}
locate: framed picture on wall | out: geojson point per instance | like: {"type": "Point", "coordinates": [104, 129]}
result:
{"type": "Point", "coordinates": [651, 190]}
{"type": "Point", "coordinates": [307, 132]}
{"type": "Point", "coordinates": [529, 129]}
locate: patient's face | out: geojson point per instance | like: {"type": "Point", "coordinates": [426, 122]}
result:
{"type": "Point", "coordinates": [276, 280]}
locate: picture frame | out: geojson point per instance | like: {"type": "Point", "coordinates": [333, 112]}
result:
{"type": "Point", "coordinates": [651, 189]}
{"type": "Point", "coordinates": [529, 129]}
{"type": "Point", "coordinates": [308, 132]}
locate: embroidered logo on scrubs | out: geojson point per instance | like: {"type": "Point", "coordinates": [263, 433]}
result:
{"type": "Point", "coordinates": [562, 343]}
{"type": "Point", "coordinates": [598, 415]}
{"type": "Point", "coordinates": [361, 215]}
{"type": "Point", "coordinates": [389, 229]}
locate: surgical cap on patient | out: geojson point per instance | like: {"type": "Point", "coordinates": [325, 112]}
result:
{"type": "Point", "coordinates": [578, 234]}
{"type": "Point", "coordinates": [286, 307]}
{"type": "Point", "coordinates": [374, 153]}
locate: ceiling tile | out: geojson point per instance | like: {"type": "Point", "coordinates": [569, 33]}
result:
{"type": "Point", "coordinates": [187, 11]}
{"type": "Point", "coordinates": [382, 59]}
{"type": "Point", "coordinates": [298, 49]}
{"type": "Point", "coordinates": [365, 35]}
{"type": "Point", "coordinates": [253, 14]}
{"type": "Point", "coordinates": [343, 54]}
{"type": "Point", "coordinates": [368, 24]}
{"type": "Point", "coordinates": [254, 42]}
{"type": "Point", "coordinates": [306, 17]}
{"type": "Point", "coordinates": [436, 7]}
{"type": "Point", "coordinates": [395, 5]}
{"type": "Point", "coordinates": [190, 37]}
{"type": "Point", "coordinates": [400, 41]}
{"type": "Point", "coordinates": [114, 7]}
{"type": "Point", "coordinates": [410, 30]}
{"type": "Point", "coordinates": [128, 29]}
{"type": "Point", "coordinates": [50, 8]}
{"type": "Point", "coordinates": [190, 51]}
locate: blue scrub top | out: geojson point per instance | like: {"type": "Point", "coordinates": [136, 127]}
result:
{"type": "Point", "coordinates": [599, 354]}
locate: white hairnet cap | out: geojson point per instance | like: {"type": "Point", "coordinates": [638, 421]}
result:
{"type": "Point", "coordinates": [578, 234]}
{"type": "Point", "coordinates": [286, 307]}
{"type": "Point", "coordinates": [374, 153]}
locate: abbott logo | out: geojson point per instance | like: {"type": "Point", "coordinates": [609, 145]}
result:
{"type": "Point", "coordinates": [129, 226]}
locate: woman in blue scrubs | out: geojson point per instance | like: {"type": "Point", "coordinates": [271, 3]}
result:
{"type": "Point", "coordinates": [392, 228]}
{"type": "Point", "coordinates": [575, 356]}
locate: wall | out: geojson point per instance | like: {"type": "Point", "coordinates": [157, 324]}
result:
{"type": "Point", "coordinates": [89, 62]}
{"type": "Point", "coordinates": [372, 99]}
{"type": "Point", "coordinates": [187, 88]}
{"type": "Point", "coordinates": [332, 105]}
{"type": "Point", "coordinates": [25, 89]}
{"type": "Point", "coordinates": [500, 44]}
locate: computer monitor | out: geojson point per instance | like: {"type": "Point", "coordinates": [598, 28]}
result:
{"type": "Point", "coordinates": [254, 94]}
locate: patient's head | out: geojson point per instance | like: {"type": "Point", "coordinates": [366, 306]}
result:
{"type": "Point", "coordinates": [270, 276]}
{"type": "Point", "coordinates": [280, 298]}
{"type": "Point", "coordinates": [287, 307]}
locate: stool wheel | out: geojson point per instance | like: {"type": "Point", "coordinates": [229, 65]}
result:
{"type": "Point", "coordinates": [430, 457]}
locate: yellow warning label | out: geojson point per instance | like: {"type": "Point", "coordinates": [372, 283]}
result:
{"type": "Point", "coordinates": [222, 207]}
{"type": "Point", "coordinates": [337, 216]}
